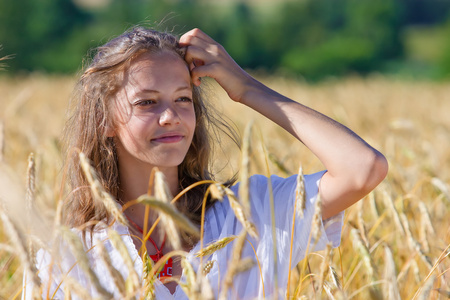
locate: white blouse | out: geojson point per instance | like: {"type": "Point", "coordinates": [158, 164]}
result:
{"type": "Point", "coordinates": [220, 222]}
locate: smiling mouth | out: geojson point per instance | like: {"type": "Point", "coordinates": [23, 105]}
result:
{"type": "Point", "coordinates": [168, 139]}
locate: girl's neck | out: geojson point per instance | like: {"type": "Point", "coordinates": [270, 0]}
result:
{"type": "Point", "coordinates": [134, 181]}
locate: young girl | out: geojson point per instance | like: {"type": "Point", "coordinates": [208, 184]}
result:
{"type": "Point", "coordinates": [139, 106]}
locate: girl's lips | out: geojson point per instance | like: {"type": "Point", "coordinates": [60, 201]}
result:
{"type": "Point", "coordinates": [168, 138]}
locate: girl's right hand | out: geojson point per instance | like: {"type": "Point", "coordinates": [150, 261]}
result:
{"type": "Point", "coordinates": [206, 57]}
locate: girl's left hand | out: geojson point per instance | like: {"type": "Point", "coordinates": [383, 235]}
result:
{"type": "Point", "coordinates": [206, 57]}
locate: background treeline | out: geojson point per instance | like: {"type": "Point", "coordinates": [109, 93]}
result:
{"type": "Point", "coordinates": [309, 38]}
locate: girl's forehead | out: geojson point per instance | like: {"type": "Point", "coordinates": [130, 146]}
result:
{"type": "Point", "coordinates": [160, 69]}
{"type": "Point", "coordinates": [155, 59]}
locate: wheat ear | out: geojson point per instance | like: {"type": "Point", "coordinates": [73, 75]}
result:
{"type": "Point", "coordinates": [317, 219]}
{"type": "Point", "coordinates": [213, 247]}
{"type": "Point", "coordinates": [170, 217]}
{"type": "Point", "coordinates": [324, 268]}
{"type": "Point", "coordinates": [30, 198]}
{"type": "Point", "coordinates": [217, 191]}
{"type": "Point", "coordinates": [426, 226]}
{"type": "Point", "coordinates": [99, 192]}
{"type": "Point", "coordinates": [360, 222]}
{"type": "Point", "coordinates": [390, 204]}
{"type": "Point", "coordinates": [299, 207]}
{"type": "Point", "coordinates": [72, 286]}
{"type": "Point", "coordinates": [233, 265]}
{"type": "Point", "coordinates": [240, 215]}
{"type": "Point", "coordinates": [117, 278]}
{"type": "Point", "coordinates": [363, 252]}
{"type": "Point", "coordinates": [148, 280]}
{"type": "Point", "coordinates": [391, 292]}
{"type": "Point", "coordinates": [83, 261]}
{"type": "Point", "coordinates": [133, 278]}
{"type": "Point", "coordinates": [300, 197]}
{"type": "Point", "coordinates": [426, 289]}
{"type": "Point", "coordinates": [413, 244]}
{"type": "Point", "coordinates": [2, 141]}
{"type": "Point", "coordinates": [19, 243]}
{"type": "Point", "coordinates": [166, 208]}
{"type": "Point", "coordinates": [244, 194]}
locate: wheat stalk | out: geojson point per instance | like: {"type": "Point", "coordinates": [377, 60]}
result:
{"type": "Point", "coordinates": [207, 292]}
{"type": "Point", "coordinates": [272, 217]}
{"type": "Point", "coordinates": [299, 207]}
{"type": "Point", "coordinates": [233, 265]}
{"type": "Point", "coordinates": [192, 287]}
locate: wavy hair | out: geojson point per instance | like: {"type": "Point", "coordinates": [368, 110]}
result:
{"type": "Point", "coordinates": [91, 114]}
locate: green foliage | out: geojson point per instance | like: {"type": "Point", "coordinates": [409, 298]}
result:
{"type": "Point", "coordinates": [310, 38]}
{"type": "Point", "coordinates": [444, 60]}
{"type": "Point", "coordinates": [30, 30]}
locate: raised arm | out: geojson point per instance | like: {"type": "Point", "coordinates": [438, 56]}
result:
{"type": "Point", "coordinates": [354, 168]}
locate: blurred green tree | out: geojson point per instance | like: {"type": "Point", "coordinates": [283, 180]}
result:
{"type": "Point", "coordinates": [312, 38]}
{"type": "Point", "coordinates": [30, 30]}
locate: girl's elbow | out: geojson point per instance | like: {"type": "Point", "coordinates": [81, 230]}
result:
{"type": "Point", "coordinates": [375, 170]}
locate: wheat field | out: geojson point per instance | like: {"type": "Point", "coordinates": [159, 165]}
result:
{"type": "Point", "coordinates": [395, 242]}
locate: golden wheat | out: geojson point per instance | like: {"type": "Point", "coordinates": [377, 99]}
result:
{"type": "Point", "coordinates": [408, 122]}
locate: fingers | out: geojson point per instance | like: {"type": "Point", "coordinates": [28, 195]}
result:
{"type": "Point", "coordinates": [185, 39]}
{"type": "Point", "coordinates": [200, 46]}
{"type": "Point", "coordinates": [207, 58]}
{"type": "Point", "coordinates": [202, 54]}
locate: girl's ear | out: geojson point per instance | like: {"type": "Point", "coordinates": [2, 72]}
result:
{"type": "Point", "coordinates": [109, 130]}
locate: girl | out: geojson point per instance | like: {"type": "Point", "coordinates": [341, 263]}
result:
{"type": "Point", "coordinates": [139, 106]}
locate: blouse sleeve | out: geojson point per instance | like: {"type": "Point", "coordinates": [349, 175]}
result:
{"type": "Point", "coordinates": [283, 191]}
{"type": "Point", "coordinates": [284, 195]}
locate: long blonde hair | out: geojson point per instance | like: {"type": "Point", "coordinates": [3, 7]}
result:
{"type": "Point", "coordinates": [91, 115]}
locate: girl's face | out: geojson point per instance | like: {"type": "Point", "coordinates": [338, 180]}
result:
{"type": "Point", "coordinates": [154, 115]}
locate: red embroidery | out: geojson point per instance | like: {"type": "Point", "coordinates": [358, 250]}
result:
{"type": "Point", "coordinates": [167, 269]}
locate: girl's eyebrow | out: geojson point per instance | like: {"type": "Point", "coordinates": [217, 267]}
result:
{"type": "Point", "coordinates": [152, 91]}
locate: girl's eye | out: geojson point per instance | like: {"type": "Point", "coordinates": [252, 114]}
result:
{"type": "Point", "coordinates": [144, 102]}
{"type": "Point", "coordinates": [184, 99]}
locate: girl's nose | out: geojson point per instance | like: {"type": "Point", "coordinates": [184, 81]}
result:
{"type": "Point", "coordinates": [169, 117]}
